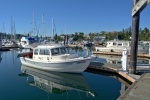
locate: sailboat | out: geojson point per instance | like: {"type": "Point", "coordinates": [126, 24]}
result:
{"type": "Point", "coordinates": [29, 42]}
{"type": "Point", "coordinates": [12, 43]}
{"type": "Point", "coordinates": [2, 48]}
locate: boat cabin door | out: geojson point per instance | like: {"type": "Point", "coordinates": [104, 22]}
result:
{"type": "Point", "coordinates": [42, 54]}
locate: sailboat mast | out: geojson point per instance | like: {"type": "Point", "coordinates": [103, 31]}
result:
{"type": "Point", "coordinates": [14, 31]}
{"type": "Point", "coordinates": [4, 31]}
{"type": "Point", "coordinates": [43, 28]}
{"type": "Point", "coordinates": [52, 28]}
{"type": "Point", "coordinates": [33, 24]}
{"type": "Point", "coordinates": [11, 30]}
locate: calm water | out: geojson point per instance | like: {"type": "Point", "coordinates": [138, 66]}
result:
{"type": "Point", "coordinates": [24, 83]}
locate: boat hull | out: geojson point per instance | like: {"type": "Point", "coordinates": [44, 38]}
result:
{"type": "Point", "coordinates": [141, 50]}
{"type": "Point", "coordinates": [77, 65]}
{"type": "Point", "coordinates": [11, 46]}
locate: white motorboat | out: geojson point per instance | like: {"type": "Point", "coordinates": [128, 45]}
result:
{"type": "Point", "coordinates": [55, 82]}
{"type": "Point", "coordinates": [56, 57]}
{"type": "Point", "coordinates": [118, 46]}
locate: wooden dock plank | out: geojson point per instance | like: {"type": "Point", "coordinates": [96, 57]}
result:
{"type": "Point", "coordinates": [139, 90]}
{"type": "Point", "coordinates": [119, 53]}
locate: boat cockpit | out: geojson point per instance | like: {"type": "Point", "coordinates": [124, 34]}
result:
{"type": "Point", "coordinates": [59, 53]}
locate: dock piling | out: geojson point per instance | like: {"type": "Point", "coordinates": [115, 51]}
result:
{"type": "Point", "coordinates": [124, 60]}
{"type": "Point", "coordinates": [134, 41]}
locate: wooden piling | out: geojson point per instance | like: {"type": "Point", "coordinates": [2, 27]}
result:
{"type": "Point", "coordinates": [134, 41]}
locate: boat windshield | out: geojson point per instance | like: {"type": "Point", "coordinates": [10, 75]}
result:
{"type": "Point", "coordinates": [44, 52]}
{"type": "Point", "coordinates": [63, 50]}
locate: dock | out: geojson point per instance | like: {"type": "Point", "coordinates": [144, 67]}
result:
{"type": "Point", "coordinates": [139, 90]}
{"type": "Point", "coordinates": [119, 54]}
{"type": "Point", "coordinates": [140, 83]}
{"type": "Point", "coordinates": [4, 49]}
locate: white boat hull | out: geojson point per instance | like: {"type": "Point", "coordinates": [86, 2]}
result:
{"type": "Point", "coordinates": [76, 65]}
{"type": "Point", "coordinates": [11, 45]}
{"type": "Point", "coordinates": [141, 50]}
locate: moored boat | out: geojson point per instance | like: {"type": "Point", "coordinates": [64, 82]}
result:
{"type": "Point", "coordinates": [11, 44]}
{"type": "Point", "coordinates": [56, 57]}
{"type": "Point", "coordinates": [27, 41]}
{"type": "Point", "coordinates": [118, 46]}
{"type": "Point", "coordinates": [1, 48]}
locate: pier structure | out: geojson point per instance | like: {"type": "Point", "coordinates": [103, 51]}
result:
{"type": "Point", "coordinates": [146, 56]}
{"type": "Point", "coordinates": [138, 6]}
{"type": "Point", "coordinates": [139, 88]}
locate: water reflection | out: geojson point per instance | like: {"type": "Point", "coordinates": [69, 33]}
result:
{"type": "Point", "coordinates": [124, 83]}
{"type": "Point", "coordinates": [0, 56]}
{"type": "Point", "coordinates": [54, 82]}
{"type": "Point", "coordinates": [117, 59]}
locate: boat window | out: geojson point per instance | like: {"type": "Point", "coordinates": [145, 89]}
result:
{"type": "Point", "coordinates": [119, 44]}
{"type": "Point", "coordinates": [44, 52]}
{"type": "Point", "coordinates": [55, 51]}
{"type": "Point", "coordinates": [114, 43]}
{"type": "Point", "coordinates": [63, 50]}
{"type": "Point", "coordinates": [125, 44]}
{"type": "Point", "coordinates": [67, 49]}
{"type": "Point", "coordinates": [36, 51]}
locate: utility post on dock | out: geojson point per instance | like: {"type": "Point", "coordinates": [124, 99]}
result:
{"type": "Point", "coordinates": [138, 6]}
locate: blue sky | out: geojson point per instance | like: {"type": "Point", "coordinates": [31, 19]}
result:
{"type": "Point", "coordinates": [70, 16]}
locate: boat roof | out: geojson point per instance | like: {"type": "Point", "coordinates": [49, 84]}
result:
{"type": "Point", "coordinates": [50, 46]}
{"type": "Point", "coordinates": [123, 41]}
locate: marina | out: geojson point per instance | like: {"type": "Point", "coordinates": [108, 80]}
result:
{"type": "Point", "coordinates": [99, 67]}
{"type": "Point", "coordinates": [96, 53]}
{"type": "Point", "coordinates": [13, 72]}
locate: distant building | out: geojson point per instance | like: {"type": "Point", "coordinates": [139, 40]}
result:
{"type": "Point", "coordinates": [99, 39]}
{"type": "Point", "coordinates": [87, 36]}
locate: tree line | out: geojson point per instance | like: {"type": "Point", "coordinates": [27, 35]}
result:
{"type": "Point", "coordinates": [124, 34]}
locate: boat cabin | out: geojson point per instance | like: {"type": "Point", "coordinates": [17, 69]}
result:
{"type": "Point", "coordinates": [52, 53]}
{"type": "Point", "coordinates": [118, 43]}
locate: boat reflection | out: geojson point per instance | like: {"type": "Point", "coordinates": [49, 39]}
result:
{"type": "Point", "coordinates": [117, 59]}
{"type": "Point", "coordinates": [0, 56]}
{"type": "Point", "coordinates": [55, 82]}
